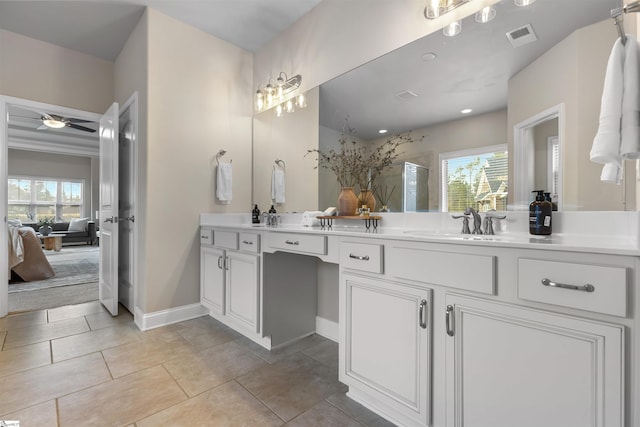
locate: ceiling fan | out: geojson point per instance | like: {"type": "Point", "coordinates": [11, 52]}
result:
{"type": "Point", "coordinates": [54, 121]}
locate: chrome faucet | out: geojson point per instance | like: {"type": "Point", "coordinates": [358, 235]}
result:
{"type": "Point", "coordinates": [477, 221]}
{"type": "Point", "coordinates": [465, 222]}
{"type": "Point", "coordinates": [488, 221]}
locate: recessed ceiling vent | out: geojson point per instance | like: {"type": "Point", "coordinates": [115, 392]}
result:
{"type": "Point", "coordinates": [406, 94]}
{"type": "Point", "coordinates": [521, 36]}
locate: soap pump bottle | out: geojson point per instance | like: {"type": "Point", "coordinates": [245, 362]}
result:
{"type": "Point", "coordinates": [272, 210]}
{"type": "Point", "coordinates": [255, 215]}
{"type": "Point", "coordinates": [554, 205]}
{"type": "Point", "coordinates": [540, 215]}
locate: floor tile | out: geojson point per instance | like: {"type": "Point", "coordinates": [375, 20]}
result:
{"type": "Point", "coordinates": [48, 331]}
{"type": "Point", "coordinates": [25, 389]}
{"type": "Point", "coordinates": [106, 320]}
{"type": "Point", "coordinates": [72, 311]}
{"type": "Point", "coordinates": [92, 341]}
{"type": "Point", "coordinates": [292, 385]}
{"type": "Point", "coordinates": [145, 353]}
{"type": "Point", "coordinates": [323, 414]}
{"type": "Point", "coordinates": [23, 358]}
{"type": "Point", "coordinates": [212, 338]}
{"type": "Point", "coordinates": [121, 401]}
{"type": "Point", "coordinates": [16, 321]}
{"type": "Point", "coordinates": [357, 411]}
{"type": "Point", "coordinates": [325, 352]}
{"type": "Point", "coordinates": [210, 368]}
{"type": "Point", "coordinates": [227, 405]}
{"type": "Point", "coordinates": [44, 414]}
{"type": "Point", "coordinates": [282, 352]}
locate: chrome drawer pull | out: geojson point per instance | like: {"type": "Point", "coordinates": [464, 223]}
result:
{"type": "Point", "coordinates": [423, 314]}
{"type": "Point", "coordinates": [586, 288]}
{"type": "Point", "coordinates": [204, 237]}
{"type": "Point", "coordinates": [220, 262]}
{"type": "Point", "coordinates": [449, 320]}
{"type": "Point", "coordinates": [362, 258]}
{"type": "Point", "coordinates": [289, 242]}
{"type": "Point", "coordinates": [246, 242]}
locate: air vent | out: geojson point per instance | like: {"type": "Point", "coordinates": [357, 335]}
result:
{"type": "Point", "coordinates": [521, 36]}
{"type": "Point", "coordinates": [406, 94]}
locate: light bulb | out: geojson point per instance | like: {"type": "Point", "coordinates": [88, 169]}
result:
{"type": "Point", "coordinates": [279, 110]}
{"type": "Point", "coordinates": [452, 29]}
{"type": "Point", "coordinates": [55, 124]}
{"type": "Point", "coordinates": [523, 3]}
{"type": "Point", "coordinates": [289, 106]}
{"type": "Point", "coordinates": [301, 101]}
{"type": "Point", "coordinates": [280, 85]}
{"type": "Point", "coordinates": [259, 100]}
{"type": "Point", "coordinates": [485, 15]}
{"type": "Point", "coordinates": [269, 91]}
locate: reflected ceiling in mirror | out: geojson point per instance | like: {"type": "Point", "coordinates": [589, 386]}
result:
{"type": "Point", "coordinates": [432, 79]}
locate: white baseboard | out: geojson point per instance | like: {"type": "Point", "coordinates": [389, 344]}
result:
{"type": "Point", "coordinates": [327, 329]}
{"type": "Point", "coordinates": [146, 321]}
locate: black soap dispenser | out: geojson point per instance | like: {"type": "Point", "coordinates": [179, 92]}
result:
{"type": "Point", "coordinates": [554, 205]}
{"type": "Point", "coordinates": [272, 210]}
{"type": "Point", "coordinates": [540, 215]}
{"type": "Point", "coordinates": [255, 215]}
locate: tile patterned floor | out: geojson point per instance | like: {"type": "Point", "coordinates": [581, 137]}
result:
{"type": "Point", "coordinates": [78, 366]}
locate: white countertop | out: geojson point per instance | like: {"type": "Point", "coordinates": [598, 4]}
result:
{"type": "Point", "coordinates": [613, 233]}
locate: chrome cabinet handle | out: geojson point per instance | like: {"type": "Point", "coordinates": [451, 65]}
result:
{"type": "Point", "coordinates": [362, 258]}
{"type": "Point", "coordinates": [586, 288]}
{"type": "Point", "coordinates": [220, 262]}
{"type": "Point", "coordinates": [204, 237]}
{"type": "Point", "coordinates": [246, 242]}
{"type": "Point", "coordinates": [289, 242]}
{"type": "Point", "coordinates": [423, 314]}
{"type": "Point", "coordinates": [449, 320]}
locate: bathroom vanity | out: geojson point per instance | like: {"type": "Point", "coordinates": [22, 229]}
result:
{"type": "Point", "coordinates": [441, 329]}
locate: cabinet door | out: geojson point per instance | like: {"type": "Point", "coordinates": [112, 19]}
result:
{"type": "Point", "coordinates": [212, 279]}
{"type": "Point", "coordinates": [243, 289]}
{"type": "Point", "coordinates": [384, 347]}
{"type": "Point", "coordinates": [508, 366]}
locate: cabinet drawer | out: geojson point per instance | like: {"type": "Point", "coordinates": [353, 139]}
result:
{"type": "Point", "coordinates": [302, 243]}
{"type": "Point", "coordinates": [455, 270]}
{"type": "Point", "coordinates": [206, 236]}
{"type": "Point", "coordinates": [225, 239]}
{"type": "Point", "coordinates": [250, 242]}
{"type": "Point", "coordinates": [598, 288]}
{"type": "Point", "coordinates": [362, 256]}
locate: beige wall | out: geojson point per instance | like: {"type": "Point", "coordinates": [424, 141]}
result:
{"type": "Point", "coordinates": [39, 71]}
{"type": "Point", "coordinates": [287, 138]}
{"type": "Point", "coordinates": [199, 101]}
{"type": "Point", "coordinates": [572, 72]}
{"type": "Point", "coordinates": [541, 135]}
{"type": "Point", "coordinates": [46, 165]}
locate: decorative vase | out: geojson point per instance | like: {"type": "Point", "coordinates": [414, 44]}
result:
{"type": "Point", "coordinates": [347, 202]}
{"type": "Point", "coordinates": [45, 231]}
{"type": "Point", "coordinates": [366, 198]}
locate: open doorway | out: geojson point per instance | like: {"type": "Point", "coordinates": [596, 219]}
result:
{"type": "Point", "coordinates": [25, 136]}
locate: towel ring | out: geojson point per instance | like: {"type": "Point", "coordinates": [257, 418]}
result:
{"type": "Point", "coordinates": [281, 163]}
{"type": "Point", "coordinates": [220, 154]}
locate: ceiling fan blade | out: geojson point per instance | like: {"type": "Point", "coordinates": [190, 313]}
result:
{"type": "Point", "coordinates": [72, 120]}
{"type": "Point", "coordinates": [74, 126]}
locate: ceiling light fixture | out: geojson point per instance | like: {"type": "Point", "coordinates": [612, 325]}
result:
{"type": "Point", "coordinates": [53, 123]}
{"type": "Point", "coordinates": [452, 29]}
{"type": "Point", "coordinates": [485, 15]}
{"type": "Point", "coordinates": [523, 3]}
{"type": "Point", "coordinates": [437, 8]}
{"type": "Point", "coordinates": [382, 131]}
{"type": "Point", "coordinates": [275, 94]}
{"type": "Point", "coordinates": [466, 111]}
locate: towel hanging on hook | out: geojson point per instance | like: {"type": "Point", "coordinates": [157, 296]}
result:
{"type": "Point", "coordinates": [220, 154]}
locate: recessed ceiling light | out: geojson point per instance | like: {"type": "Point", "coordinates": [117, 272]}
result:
{"type": "Point", "coordinates": [429, 56]}
{"type": "Point", "coordinates": [523, 2]}
{"type": "Point", "coordinates": [453, 29]}
{"type": "Point", "coordinates": [466, 111]}
{"type": "Point", "coordinates": [382, 131]}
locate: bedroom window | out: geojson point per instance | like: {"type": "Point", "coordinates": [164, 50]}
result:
{"type": "Point", "coordinates": [31, 199]}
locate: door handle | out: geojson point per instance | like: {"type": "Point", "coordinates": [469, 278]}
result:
{"type": "Point", "coordinates": [113, 219]}
{"type": "Point", "coordinates": [449, 320]}
{"type": "Point", "coordinates": [131, 218]}
{"type": "Point", "coordinates": [423, 314]}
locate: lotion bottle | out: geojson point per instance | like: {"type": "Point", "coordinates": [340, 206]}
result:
{"type": "Point", "coordinates": [255, 215]}
{"type": "Point", "coordinates": [540, 215]}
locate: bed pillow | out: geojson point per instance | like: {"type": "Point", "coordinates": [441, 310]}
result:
{"type": "Point", "coordinates": [78, 224]}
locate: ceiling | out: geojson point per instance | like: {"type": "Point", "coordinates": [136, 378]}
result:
{"type": "Point", "coordinates": [100, 28]}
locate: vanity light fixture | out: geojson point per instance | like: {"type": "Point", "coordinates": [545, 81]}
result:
{"type": "Point", "coordinates": [486, 14]}
{"type": "Point", "coordinates": [452, 29]}
{"type": "Point", "coordinates": [437, 8]}
{"type": "Point", "coordinates": [275, 94]}
{"type": "Point", "coordinates": [523, 3]}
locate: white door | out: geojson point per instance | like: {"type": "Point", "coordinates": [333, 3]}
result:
{"type": "Point", "coordinates": [126, 141]}
{"type": "Point", "coordinates": [108, 276]}
{"type": "Point", "coordinates": [512, 366]}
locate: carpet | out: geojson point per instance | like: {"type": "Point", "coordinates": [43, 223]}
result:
{"type": "Point", "coordinates": [72, 266]}
{"type": "Point", "coordinates": [75, 281]}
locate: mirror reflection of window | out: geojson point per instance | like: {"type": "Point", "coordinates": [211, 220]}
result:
{"type": "Point", "coordinates": [415, 183]}
{"type": "Point", "coordinates": [475, 178]}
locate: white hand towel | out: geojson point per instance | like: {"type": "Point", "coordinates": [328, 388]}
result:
{"type": "Point", "coordinates": [611, 173]}
{"type": "Point", "coordinates": [606, 144]}
{"type": "Point", "coordinates": [630, 123]}
{"type": "Point", "coordinates": [309, 218]}
{"type": "Point", "coordinates": [224, 175]}
{"type": "Point", "coordinates": [277, 186]}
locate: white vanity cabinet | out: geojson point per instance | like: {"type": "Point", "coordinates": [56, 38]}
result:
{"type": "Point", "coordinates": [385, 335]}
{"type": "Point", "coordinates": [229, 279]}
{"type": "Point", "coordinates": [514, 366]}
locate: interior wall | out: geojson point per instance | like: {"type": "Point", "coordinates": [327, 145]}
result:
{"type": "Point", "coordinates": [40, 71]}
{"type": "Point", "coordinates": [572, 72]}
{"type": "Point", "coordinates": [288, 138]}
{"type": "Point", "coordinates": [46, 165]}
{"type": "Point", "coordinates": [199, 101]}
{"type": "Point", "coordinates": [541, 135]}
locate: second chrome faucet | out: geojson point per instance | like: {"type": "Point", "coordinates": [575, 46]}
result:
{"type": "Point", "coordinates": [477, 221]}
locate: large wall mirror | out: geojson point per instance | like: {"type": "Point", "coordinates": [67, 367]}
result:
{"type": "Point", "coordinates": [553, 59]}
